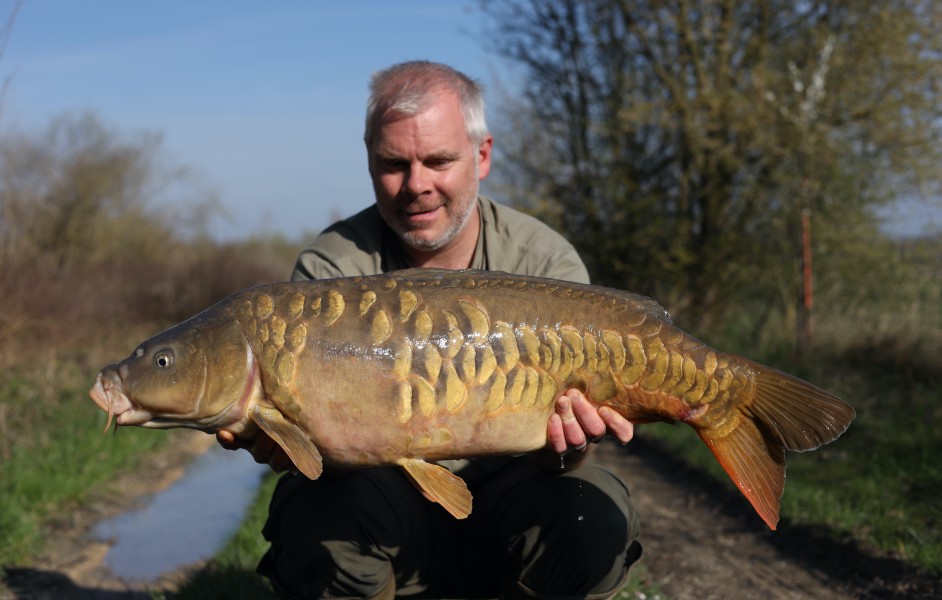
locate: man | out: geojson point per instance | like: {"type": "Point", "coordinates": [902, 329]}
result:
{"type": "Point", "coordinates": [536, 530]}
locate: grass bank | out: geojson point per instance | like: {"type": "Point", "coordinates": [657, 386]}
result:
{"type": "Point", "coordinates": [58, 327]}
{"type": "Point", "coordinates": [54, 454]}
{"type": "Point", "coordinates": [880, 482]}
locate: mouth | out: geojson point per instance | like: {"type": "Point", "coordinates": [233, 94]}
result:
{"type": "Point", "coordinates": [421, 216]}
{"type": "Point", "coordinates": [109, 395]}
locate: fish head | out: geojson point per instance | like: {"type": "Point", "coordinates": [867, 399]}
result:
{"type": "Point", "coordinates": [200, 374]}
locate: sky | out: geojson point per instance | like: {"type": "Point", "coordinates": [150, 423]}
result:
{"type": "Point", "coordinates": [263, 101]}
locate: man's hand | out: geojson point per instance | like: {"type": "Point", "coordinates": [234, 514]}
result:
{"type": "Point", "coordinates": [262, 448]}
{"type": "Point", "coordinates": [576, 424]}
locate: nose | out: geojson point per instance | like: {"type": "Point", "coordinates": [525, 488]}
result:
{"type": "Point", "coordinates": [417, 180]}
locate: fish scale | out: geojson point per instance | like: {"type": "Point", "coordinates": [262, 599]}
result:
{"type": "Point", "coordinates": [423, 365]}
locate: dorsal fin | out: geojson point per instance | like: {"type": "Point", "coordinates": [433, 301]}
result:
{"type": "Point", "coordinates": [638, 302]}
{"type": "Point", "coordinates": [440, 485]}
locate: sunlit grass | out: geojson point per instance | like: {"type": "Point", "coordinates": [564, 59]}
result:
{"type": "Point", "coordinates": [879, 483]}
{"type": "Point", "coordinates": [55, 456]}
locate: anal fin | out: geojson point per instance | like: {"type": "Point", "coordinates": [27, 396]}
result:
{"type": "Point", "coordinates": [756, 464]}
{"type": "Point", "coordinates": [439, 485]}
{"type": "Point", "coordinates": [300, 449]}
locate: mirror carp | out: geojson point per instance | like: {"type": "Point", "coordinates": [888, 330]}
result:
{"type": "Point", "coordinates": [416, 366]}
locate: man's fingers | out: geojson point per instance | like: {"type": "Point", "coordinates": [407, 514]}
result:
{"type": "Point", "coordinates": [591, 422]}
{"type": "Point", "coordinates": [279, 461]}
{"type": "Point", "coordinates": [554, 434]}
{"type": "Point", "coordinates": [573, 432]}
{"type": "Point", "coordinates": [263, 449]}
{"type": "Point", "coordinates": [619, 426]}
{"type": "Point", "coordinates": [228, 440]}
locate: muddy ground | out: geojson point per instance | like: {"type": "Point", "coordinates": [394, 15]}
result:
{"type": "Point", "coordinates": [702, 541]}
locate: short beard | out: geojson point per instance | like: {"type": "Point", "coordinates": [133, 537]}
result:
{"type": "Point", "coordinates": [452, 232]}
{"type": "Point", "coordinates": [417, 243]}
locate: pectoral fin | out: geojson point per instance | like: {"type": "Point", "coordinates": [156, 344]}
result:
{"type": "Point", "coordinates": [440, 485]}
{"type": "Point", "coordinates": [300, 449]}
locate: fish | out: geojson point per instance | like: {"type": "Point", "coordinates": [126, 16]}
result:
{"type": "Point", "coordinates": [413, 367]}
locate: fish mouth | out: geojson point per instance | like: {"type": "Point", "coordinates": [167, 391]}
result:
{"type": "Point", "coordinates": [108, 394]}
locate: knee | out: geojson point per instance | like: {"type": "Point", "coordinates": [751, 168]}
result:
{"type": "Point", "coordinates": [321, 540]}
{"type": "Point", "coordinates": [585, 538]}
{"type": "Point", "coordinates": [589, 508]}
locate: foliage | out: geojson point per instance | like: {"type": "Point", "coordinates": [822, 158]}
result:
{"type": "Point", "coordinates": [90, 244]}
{"type": "Point", "coordinates": [676, 143]}
{"type": "Point", "coordinates": [78, 194]}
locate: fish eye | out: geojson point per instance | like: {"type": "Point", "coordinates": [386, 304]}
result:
{"type": "Point", "coordinates": [163, 359]}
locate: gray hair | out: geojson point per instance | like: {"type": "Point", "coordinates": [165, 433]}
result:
{"type": "Point", "coordinates": [407, 89]}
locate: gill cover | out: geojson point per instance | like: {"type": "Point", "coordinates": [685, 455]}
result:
{"type": "Point", "coordinates": [192, 375]}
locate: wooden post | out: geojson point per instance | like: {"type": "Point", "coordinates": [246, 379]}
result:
{"type": "Point", "coordinates": [805, 316]}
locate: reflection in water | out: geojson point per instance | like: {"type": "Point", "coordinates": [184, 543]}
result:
{"type": "Point", "coordinates": [188, 521]}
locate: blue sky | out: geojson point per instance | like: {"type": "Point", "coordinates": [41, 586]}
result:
{"type": "Point", "coordinates": [263, 100]}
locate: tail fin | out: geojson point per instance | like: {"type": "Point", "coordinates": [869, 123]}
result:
{"type": "Point", "coordinates": [786, 414]}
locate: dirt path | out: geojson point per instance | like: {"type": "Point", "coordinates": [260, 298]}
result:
{"type": "Point", "coordinates": [702, 541]}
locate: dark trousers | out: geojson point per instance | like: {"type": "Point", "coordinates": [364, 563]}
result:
{"type": "Point", "coordinates": [530, 533]}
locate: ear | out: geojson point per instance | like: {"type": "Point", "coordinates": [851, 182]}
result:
{"type": "Point", "coordinates": [369, 158]}
{"type": "Point", "coordinates": [484, 157]}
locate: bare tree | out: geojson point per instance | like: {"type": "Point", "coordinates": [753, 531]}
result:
{"type": "Point", "coordinates": [677, 143]}
{"type": "Point", "coordinates": [80, 194]}
{"type": "Point", "coordinates": [5, 34]}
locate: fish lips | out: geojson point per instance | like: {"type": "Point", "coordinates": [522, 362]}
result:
{"type": "Point", "coordinates": [108, 394]}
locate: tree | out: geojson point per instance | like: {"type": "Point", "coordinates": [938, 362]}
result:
{"type": "Point", "coordinates": [5, 33]}
{"type": "Point", "coordinates": [677, 143]}
{"type": "Point", "coordinates": [81, 194]}
{"type": "Point", "coordinates": [99, 227]}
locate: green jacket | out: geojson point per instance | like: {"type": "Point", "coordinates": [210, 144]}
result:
{"type": "Point", "coordinates": [509, 241]}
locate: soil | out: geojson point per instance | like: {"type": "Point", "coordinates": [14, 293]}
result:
{"type": "Point", "coordinates": [701, 540]}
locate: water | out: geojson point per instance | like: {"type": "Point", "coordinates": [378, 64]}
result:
{"type": "Point", "coordinates": [187, 522]}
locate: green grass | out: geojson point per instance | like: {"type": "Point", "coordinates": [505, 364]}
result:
{"type": "Point", "coordinates": [881, 481]}
{"type": "Point", "coordinates": [54, 455]}
{"type": "Point", "coordinates": [640, 586]}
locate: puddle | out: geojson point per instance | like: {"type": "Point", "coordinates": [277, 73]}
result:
{"type": "Point", "coordinates": [187, 522]}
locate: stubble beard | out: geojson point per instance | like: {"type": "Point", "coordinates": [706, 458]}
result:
{"type": "Point", "coordinates": [455, 227]}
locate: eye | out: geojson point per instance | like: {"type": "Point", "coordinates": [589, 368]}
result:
{"type": "Point", "coordinates": [163, 359]}
{"type": "Point", "coordinates": [393, 165]}
{"type": "Point", "coordinates": [439, 164]}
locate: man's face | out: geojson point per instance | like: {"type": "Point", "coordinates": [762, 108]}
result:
{"type": "Point", "coordinates": [426, 174]}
